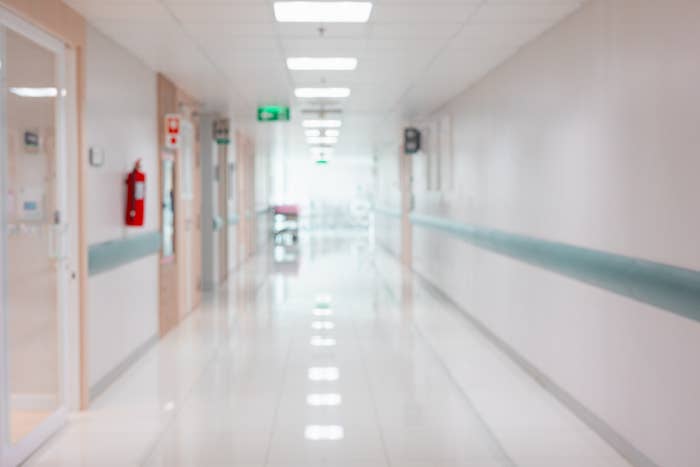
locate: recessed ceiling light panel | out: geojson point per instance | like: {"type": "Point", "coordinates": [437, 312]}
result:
{"type": "Point", "coordinates": [322, 93]}
{"type": "Point", "coordinates": [323, 12]}
{"type": "Point", "coordinates": [322, 140]}
{"type": "Point", "coordinates": [322, 123]}
{"type": "Point", "coordinates": [322, 64]}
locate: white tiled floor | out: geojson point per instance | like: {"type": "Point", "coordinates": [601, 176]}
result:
{"type": "Point", "coordinates": [418, 385]}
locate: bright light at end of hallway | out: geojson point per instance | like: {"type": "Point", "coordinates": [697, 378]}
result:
{"type": "Point", "coordinates": [169, 407]}
{"type": "Point", "coordinates": [323, 312]}
{"type": "Point", "coordinates": [324, 299]}
{"type": "Point", "coordinates": [318, 341]}
{"type": "Point", "coordinates": [324, 374]}
{"type": "Point", "coordinates": [322, 93]}
{"type": "Point", "coordinates": [324, 433]}
{"type": "Point", "coordinates": [322, 123]}
{"type": "Point", "coordinates": [322, 140]}
{"type": "Point", "coordinates": [315, 133]}
{"type": "Point", "coordinates": [322, 64]}
{"type": "Point", "coordinates": [323, 12]}
{"type": "Point", "coordinates": [321, 151]}
{"type": "Point", "coordinates": [322, 325]}
{"type": "Point", "coordinates": [324, 400]}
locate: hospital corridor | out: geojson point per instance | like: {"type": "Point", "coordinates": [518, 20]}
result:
{"type": "Point", "coordinates": [372, 233]}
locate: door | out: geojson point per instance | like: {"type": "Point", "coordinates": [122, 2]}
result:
{"type": "Point", "coordinates": [32, 240]}
{"type": "Point", "coordinates": [222, 211]}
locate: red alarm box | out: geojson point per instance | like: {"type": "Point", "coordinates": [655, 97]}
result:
{"type": "Point", "coordinates": [135, 196]}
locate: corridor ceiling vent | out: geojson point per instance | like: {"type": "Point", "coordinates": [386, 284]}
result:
{"type": "Point", "coordinates": [322, 93]}
{"type": "Point", "coordinates": [322, 64]}
{"type": "Point", "coordinates": [323, 12]}
{"type": "Point", "coordinates": [322, 124]}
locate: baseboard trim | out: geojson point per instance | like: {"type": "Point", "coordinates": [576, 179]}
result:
{"type": "Point", "coordinates": [107, 380]}
{"type": "Point", "coordinates": [626, 449]}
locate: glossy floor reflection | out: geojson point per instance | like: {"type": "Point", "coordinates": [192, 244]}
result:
{"type": "Point", "coordinates": [343, 360]}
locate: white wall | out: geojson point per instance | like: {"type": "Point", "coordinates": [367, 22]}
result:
{"type": "Point", "coordinates": [588, 136]}
{"type": "Point", "coordinates": [121, 118]}
{"type": "Point", "coordinates": [388, 198]}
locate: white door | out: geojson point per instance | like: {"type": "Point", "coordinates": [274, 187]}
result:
{"type": "Point", "coordinates": [32, 240]}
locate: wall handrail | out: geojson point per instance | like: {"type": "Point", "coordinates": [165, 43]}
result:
{"type": "Point", "coordinates": [112, 254]}
{"type": "Point", "coordinates": [671, 288]}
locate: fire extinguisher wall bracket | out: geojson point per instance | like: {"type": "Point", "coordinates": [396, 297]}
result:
{"type": "Point", "coordinates": [135, 196]}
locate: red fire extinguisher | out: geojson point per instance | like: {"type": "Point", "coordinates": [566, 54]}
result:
{"type": "Point", "coordinates": [135, 196]}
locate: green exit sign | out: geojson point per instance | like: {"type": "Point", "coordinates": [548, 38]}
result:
{"type": "Point", "coordinates": [273, 113]}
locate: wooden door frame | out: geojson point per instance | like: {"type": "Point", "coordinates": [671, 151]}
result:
{"type": "Point", "coordinates": [173, 100]}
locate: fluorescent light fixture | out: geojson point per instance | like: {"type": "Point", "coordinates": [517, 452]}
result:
{"type": "Point", "coordinates": [322, 325]}
{"type": "Point", "coordinates": [324, 400]}
{"type": "Point", "coordinates": [324, 374]}
{"type": "Point", "coordinates": [323, 312]}
{"type": "Point", "coordinates": [322, 64]}
{"type": "Point", "coordinates": [318, 341]}
{"type": "Point", "coordinates": [36, 92]}
{"type": "Point", "coordinates": [322, 123]}
{"type": "Point", "coordinates": [313, 133]}
{"type": "Point", "coordinates": [324, 300]}
{"type": "Point", "coordinates": [324, 433]}
{"type": "Point", "coordinates": [321, 151]}
{"type": "Point", "coordinates": [332, 133]}
{"type": "Point", "coordinates": [323, 12]}
{"type": "Point", "coordinates": [322, 93]}
{"type": "Point", "coordinates": [322, 140]}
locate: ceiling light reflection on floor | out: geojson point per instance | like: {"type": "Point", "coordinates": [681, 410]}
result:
{"type": "Point", "coordinates": [318, 341]}
{"type": "Point", "coordinates": [324, 374]}
{"type": "Point", "coordinates": [324, 400]}
{"type": "Point", "coordinates": [324, 433]}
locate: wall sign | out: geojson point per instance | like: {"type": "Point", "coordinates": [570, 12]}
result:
{"type": "Point", "coordinates": [222, 131]}
{"type": "Point", "coordinates": [31, 141]}
{"type": "Point", "coordinates": [172, 131]}
{"type": "Point", "coordinates": [97, 157]}
{"type": "Point", "coordinates": [411, 138]}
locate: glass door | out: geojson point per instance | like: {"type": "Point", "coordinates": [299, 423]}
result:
{"type": "Point", "coordinates": [32, 244]}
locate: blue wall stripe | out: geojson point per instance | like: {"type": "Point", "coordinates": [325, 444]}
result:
{"type": "Point", "coordinates": [110, 255]}
{"type": "Point", "coordinates": [671, 288]}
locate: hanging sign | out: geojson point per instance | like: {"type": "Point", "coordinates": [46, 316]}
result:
{"type": "Point", "coordinates": [273, 113]}
{"type": "Point", "coordinates": [172, 131]}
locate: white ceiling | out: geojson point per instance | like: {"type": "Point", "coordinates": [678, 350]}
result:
{"type": "Point", "coordinates": [413, 54]}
